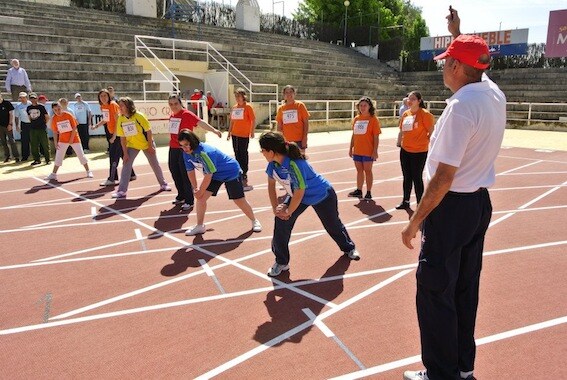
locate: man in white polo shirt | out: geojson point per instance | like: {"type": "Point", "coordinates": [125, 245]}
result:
{"type": "Point", "coordinates": [455, 210]}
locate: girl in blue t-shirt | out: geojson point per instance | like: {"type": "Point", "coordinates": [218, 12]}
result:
{"type": "Point", "coordinates": [304, 187]}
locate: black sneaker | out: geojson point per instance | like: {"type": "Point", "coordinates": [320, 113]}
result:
{"type": "Point", "coordinates": [17, 159]}
{"type": "Point", "coordinates": [403, 206]}
{"type": "Point", "coordinates": [368, 195]}
{"type": "Point", "coordinates": [7, 159]}
{"type": "Point", "coordinates": [356, 194]}
{"type": "Point", "coordinates": [47, 162]}
{"type": "Point", "coordinates": [34, 163]}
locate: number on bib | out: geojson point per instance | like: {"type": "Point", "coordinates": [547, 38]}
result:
{"type": "Point", "coordinates": [174, 124]}
{"type": "Point", "coordinates": [64, 126]}
{"type": "Point", "coordinates": [407, 124]}
{"type": "Point", "coordinates": [237, 114]}
{"type": "Point", "coordinates": [105, 115]}
{"type": "Point", "coordinates": [129, 129]}
{"type": "Point", "coordinates": [360, 127]}
{"type": "Point", "coordinates": [290, 117]}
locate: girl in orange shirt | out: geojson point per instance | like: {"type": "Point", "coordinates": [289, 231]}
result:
{"type": "Point", "coordinates": [110, 112]}
{"type": "Point", "coordinates": [65, 134]}
{"type": "Point", "coordinates": [416, 125]}
{"type": "Point", "coordinates": [242, 124]}
{"type": "Point", "coordinates": [364, 145]}
{"type": "Point", "coordinates": [293, 119]}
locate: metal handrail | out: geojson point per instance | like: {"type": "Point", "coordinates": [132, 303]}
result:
{"type": "Point", "coordinates": [212, 54]}
{"type": "Point", "coordinates": [391, 111]}
{"type": "Point", "coordinates": [174, 81]}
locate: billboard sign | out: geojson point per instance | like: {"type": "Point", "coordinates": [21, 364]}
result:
{"type": "Point", "coordinates": [500, 43]}
{"type": "Point", "coordinates": [557, 35]}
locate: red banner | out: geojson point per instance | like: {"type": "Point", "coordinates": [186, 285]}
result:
{"type": "Point", "coordinates": [557, 34]}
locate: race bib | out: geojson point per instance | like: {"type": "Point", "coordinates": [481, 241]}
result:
{"type": "Point", "coordinates": [237, 114]}
{"type": "Point", "coordinates": [407, 123]}
{"type": "Point", "coordinates": [129, 129]}
{"type": "Point", "coordinates": [64, 126]}
{"type": "Point", "coordinates": [105, 115]}
{"type": "Point", "coordinates": [174, 124]}
{"type": "Point", "coordinates": [286, 183]}
{"type": "Point", "coordinates": [198, 166]}
{"type": "Point", "coordinates": [360, 127]}
{"type": "Point", "coordinates": [290, 117]}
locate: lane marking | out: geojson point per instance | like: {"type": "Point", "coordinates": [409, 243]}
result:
{"type": "Point", "coordinates": [542, 196]}
{"type": "Point", "coordinates": [211, 274]}
{"type": "Point", "coordinates": [479, 342]}
{"type": "Point", "coordinates": [93, 212]}
{"type": "Point", "coordinates": [329, 334]}
{"type": "Point", "coordinates": [280, 338]}
{"type": "Point", "coordinates": [140, 237]}
{"type": "Point", "coordinates": [519, 167]}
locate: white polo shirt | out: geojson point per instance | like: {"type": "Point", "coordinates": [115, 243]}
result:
{"type": "Point", "coordinates": [468, 135]}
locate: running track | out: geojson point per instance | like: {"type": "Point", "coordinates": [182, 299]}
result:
{"type": "Point", "coordinates": [98, 288]}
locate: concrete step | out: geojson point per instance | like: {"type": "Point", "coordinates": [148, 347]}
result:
{"type": "Point", "coordinates": [68, 48]}
{"type": "Point", "coordinates": [62, 57]}
{"type": "Point", "coordinates": [49, 86]}
{"type": "Point", "coordinates": [94, 67]}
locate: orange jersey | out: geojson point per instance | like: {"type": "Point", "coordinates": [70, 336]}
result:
{"type": "Point", "coordinates": [415, 130]}
{"type": "Point", "coordinates": [364, 129]}
{"type": "Point", "coordinates": [109, 112]}
{"type": "Point", "coordinates": [64, 125]}
{"type": "Point", "coordinates": [242, 118]}
{"type": "Point", "coordinates": [292, 117]}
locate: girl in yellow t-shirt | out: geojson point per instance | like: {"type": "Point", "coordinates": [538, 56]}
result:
{"type": "Point", "coordinates": [242, 124]}
{"type": "Point", "coordinates": [293, 119]}
{"type": "Point", "coordinates": [364, 145]}
{"type": "Point", "coordinates": [135, 134]}
{"type": "Point", "coordinates": [416, 125]}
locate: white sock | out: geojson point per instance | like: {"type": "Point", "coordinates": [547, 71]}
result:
{"type": "Point", "coordinates": [464, 375]}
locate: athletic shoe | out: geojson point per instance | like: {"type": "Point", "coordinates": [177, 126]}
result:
{"type": "Point", "coordinates": [248, 188]}
{"type": "Point", "coordinates": [133, 178]}
{"type": "Point", "coordinates": [17, 159]}
{"type": "Point", "coordinates": [177, 201]}
{"type": "Point", "coordinates": [108, 183]}
{"type": "Point", "coordinates": [119, 194]}
{"type": "Point", "coordinates": [186, 206]}
{"type": "Point", "coordinates": [353, 254]}
{"type": "Point", "coordinates": [276, 269]}
{"type": "Point", "coordinates": [90, 174]}
{"type": "Point", "coordinates": [165, 187]}
{"type": "Point", "coordinates": [403, 206]}
{"type": "Point", "coordinates": [356, 194]}
{"type": "Point", "coordinates": [7, 159]}
{"type": "Point", "coordinates": [86, 151]}
{"type": "Point", "coordinates": [416, 375]}
{"type": "Point", "coordinates": [34, 163]}
{"type": "Point", "coordinates": [256, 226]}
{"type": "Point", "coordinates": [368, 195]}
{"type": "Point", "coordinates": [47, 162]}
{"type": "Point", "coordinates": [196, 230]}
{"type": "Point", "coordinates": [51, 177]}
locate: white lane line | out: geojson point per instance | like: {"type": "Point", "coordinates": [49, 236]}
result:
{"type": "Point", "coordinates": [211, 274]}
{"type": "Point", "coordinates": [280, 338]}
{"type": "Point", "coordinates": [532, 159]}
{"type": "Point", "coordinates": [541, 196]}
{"type": "Point", "coordinates": [87, 250]}
{"type": "Point", "coordinates": [519, 167]}
{"type": "Point", "coordinates": [329, 334]}
{"type": "Point", "coordinates": [141, 238]}
{"type": "Point", "coordinates": [246, 292]}
{"type": "Point", "coordinates": [479, 342]}
{"type": "Point", "coordinates": [93, 212]}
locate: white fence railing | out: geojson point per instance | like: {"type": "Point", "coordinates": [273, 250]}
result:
{"type": "Point", "coordinates": [174, 48]}
{"type": "Point", "coordinates": [168, 76]}
{"type": "Point", "coordinates": [343, 110]}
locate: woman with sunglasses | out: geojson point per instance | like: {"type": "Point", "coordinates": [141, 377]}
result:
{"type": "Point", "coordinates": [364, 146]}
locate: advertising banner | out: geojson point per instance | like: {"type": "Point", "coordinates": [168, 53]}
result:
{"type": "Point", "coordinates": [556, 46]}
{"type": "Point", "coordinates": [501, 43]}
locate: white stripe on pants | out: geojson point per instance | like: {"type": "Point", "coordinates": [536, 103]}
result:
{"type": "Point", "coordinates": [127, 168]}
{"type": "Point", "coordinates": [62, 148]}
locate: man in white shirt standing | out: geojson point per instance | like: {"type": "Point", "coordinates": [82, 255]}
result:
{"type": "Point", "coordinates": [84, 116]}
{"type": "Point", "coordinates": [17, 80]}
{"type": "Point", "coordinates": [455, 210]}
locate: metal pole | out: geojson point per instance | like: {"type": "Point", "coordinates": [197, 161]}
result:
{"type": "Point", "coordinates": [346, 19]}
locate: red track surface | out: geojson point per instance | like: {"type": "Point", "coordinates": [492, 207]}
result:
{"type": "Point", "coordinates": [133, 308]}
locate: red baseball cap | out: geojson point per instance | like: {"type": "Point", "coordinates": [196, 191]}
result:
{"type": "Point", "coordinates": [469, 49]}
{"type": "Point", "coordinates": [42, 97]}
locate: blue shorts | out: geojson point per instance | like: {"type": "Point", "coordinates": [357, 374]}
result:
{"type": "Point", "coordinates": [357, 158]}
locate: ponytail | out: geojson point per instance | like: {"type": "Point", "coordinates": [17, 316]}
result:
{"type": "Point", "coordinates": [275, 142]}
